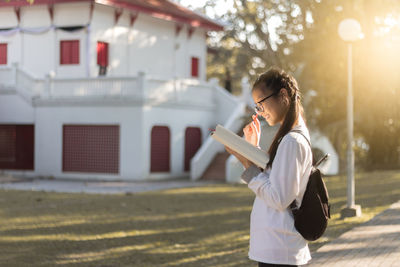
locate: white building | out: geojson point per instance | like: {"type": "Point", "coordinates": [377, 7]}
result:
{"type": "Point", "coordinates": [108, 89]}
{"type": "Point", "coordinates": [99, 89]}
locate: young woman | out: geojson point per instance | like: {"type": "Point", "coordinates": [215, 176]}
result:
{"type": "Point", "coordinates": [274, 240]}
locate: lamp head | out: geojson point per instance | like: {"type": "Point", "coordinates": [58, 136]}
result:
{"type": "Point", "coordinates": [350, 30]}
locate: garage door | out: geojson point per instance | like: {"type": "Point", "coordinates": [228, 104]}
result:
{"type": "Point", "coordinates": [17, 147]}
{"type": "Point", "coordinates": [91, 148]}
{"type": "Point", "coordinates": [160, 149]}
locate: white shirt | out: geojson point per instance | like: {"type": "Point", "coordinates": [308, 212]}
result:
{"type": "Point", "coordinates": [273, 237]}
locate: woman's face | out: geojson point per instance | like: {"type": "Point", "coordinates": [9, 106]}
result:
{"type": "Point", "coordinates": [273, 108]}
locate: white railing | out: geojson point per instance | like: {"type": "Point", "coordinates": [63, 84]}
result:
{"type": "Point", "coordinates": [89, 87]}
{"type": "Point", "coordinates": [229, 113]}
{"type": "Point", "coordinates": [28, 83]}
{"type": "Point", "coordinates": [226, 103]}
{"type": "Point", "coordinates": [202, 94]}
{"type": "Point", "coordinates": [179, 90]}
{"type": "Point", "coordinates": [141, 87]}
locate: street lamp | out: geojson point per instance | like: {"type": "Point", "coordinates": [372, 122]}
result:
{"type": "Point", "coordinates": [350, 31]}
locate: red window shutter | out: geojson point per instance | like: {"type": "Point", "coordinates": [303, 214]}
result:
{"type": "Point", "coordinates": [74, 52]}
{"type": "Point", "coordinates": [192, 144]}
{"type": "Point", "coordinates": [160, 149]}
{"type": "Point", "coordinates": [64, 52]}
{"type": "Point", "coordinates": [91, 148]}
{"type": "Point", "coordinates": [195, 67]}
{"type": "Point", "coordinates": [102, 54]}
{"type": "Point", "coordinates": [3, 54]}
{"type": "Point", "coordinates": [69, 52]}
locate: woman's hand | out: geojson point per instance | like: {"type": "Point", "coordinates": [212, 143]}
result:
{"type": "Point", "coordinates": [245, 162]}
{"type": "Point", "coordinates": [252, 132]}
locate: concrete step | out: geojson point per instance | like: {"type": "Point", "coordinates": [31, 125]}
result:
{"type": "Point", "coordinates": [7, 178]}
{"type": "Point", "coordinates": [216, 170]}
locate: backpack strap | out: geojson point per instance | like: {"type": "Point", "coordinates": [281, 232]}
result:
{"type": "Point", "coordinates": [293, 205]}
{"type": "Point", "coordinates": [321, 159]}
{"type": "Point", "coordinates": [308, 141]}
{"type": "Point", "coordinates": [300, 132]}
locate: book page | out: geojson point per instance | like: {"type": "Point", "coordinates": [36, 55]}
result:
{"type": "Point", "coordinates": [241, 146]}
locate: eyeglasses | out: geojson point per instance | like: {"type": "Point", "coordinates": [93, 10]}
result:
{"type": "Point", "coordinates": [259, 108]}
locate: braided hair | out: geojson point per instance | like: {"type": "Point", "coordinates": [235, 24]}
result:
{"type": "Point", "coordinates": [275, 79]}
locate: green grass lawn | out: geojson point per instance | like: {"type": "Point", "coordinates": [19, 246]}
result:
{"type": "Point", "coordinates": [202, 226]}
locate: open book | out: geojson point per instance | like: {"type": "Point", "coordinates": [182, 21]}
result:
{"type": "Point", "coordinates": [240, 145]}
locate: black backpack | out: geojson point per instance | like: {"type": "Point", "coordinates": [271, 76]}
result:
{"type": "Point", "coordinates": [311, 219]}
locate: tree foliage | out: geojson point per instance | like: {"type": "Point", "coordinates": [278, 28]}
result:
{"type": "Point", "coordinates": [306, 43]}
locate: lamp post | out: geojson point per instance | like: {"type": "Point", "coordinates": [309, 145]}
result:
{"type": "Point", "coordinates": [350, 31]}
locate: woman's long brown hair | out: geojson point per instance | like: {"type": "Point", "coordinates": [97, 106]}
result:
{"type": "Point", "coordinates": [275, 79]}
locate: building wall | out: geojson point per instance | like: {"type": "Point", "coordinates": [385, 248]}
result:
{"type": "Point", "coordinates": [151, 45]}
{"type": "Point", "coordinates": [48, 138]}
{"type": "Point", "coordinates": [15, 110]}
{"type": "Point", "coordinates": [72, 14]}
{"type": "Point", "coordinates": [36, 47]}
{"type": "Point", "coordinates": [167, 116]}
{"type": "Point", "coordinates": [135, 137]}
{"type": "Point", "coordinates": [9, 20]}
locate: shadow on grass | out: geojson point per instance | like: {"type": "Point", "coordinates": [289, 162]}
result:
{"type": "Point", "coordinates": [201, 226]}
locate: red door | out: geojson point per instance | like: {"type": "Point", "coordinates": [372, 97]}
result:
{"type": "Point", "coordinates": [91, 148]}
{"type": "Point", "coordinates": [192, 144]}
{"type": "Point", "coordinates": [3, 54]}
{"type": "Point", "coordinates": [102, 54]}
{"type": "Point", "coordinates": [195, 67]}
{"type": "Point", "coordinates": [17, 147]}
{"type": "Point", "coordinates": [160, 149]}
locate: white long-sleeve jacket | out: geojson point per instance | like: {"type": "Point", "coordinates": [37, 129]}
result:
{"type": "Point", "coordinates": [273, 237]}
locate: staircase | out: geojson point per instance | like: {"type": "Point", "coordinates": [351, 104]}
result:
{"type": "Point", "coordinates": [216, 170]}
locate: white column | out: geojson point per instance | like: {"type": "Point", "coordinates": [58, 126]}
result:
{"type": "Point", "coordinates": [47, 89]}
{"type": "Point", "coordinates": [142, 85]}
{"type": "Point", "coordinates": [14, 68]}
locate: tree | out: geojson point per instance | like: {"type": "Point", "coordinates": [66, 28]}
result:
{"type": "Point", "coordinates": [246, 45]}
{"type": "Point", "coordinates": [376, 83]}
{"type": "Point", "coordinates": [306, 43]}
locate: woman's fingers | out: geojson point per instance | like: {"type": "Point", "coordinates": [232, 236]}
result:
{"type": "Point", "coordinates": [247, 130]}
{"type": "Point", "coordinates": [256, 123]}
{"type": "Point", "coordinates": [253, 127]}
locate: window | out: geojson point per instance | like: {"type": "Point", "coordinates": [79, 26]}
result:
{"type": "Point", "coordinates": [91, 148]}
{"type": "Point", "coordinates": [69, 52]}
{"type": "Point", "coordinates": [195, 67]}
{"type": "Point", "coordinates": [160, 149]}
{"type": "Point", "coordinates": [3, 54]}
{"type": "Point", "coordinates": [192, 144]}
{"type": "Point", "coordinates": [102, 54]}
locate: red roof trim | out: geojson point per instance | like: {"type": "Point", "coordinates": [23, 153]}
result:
{"type": "Point", "coordinates": [162, 9]}
{"type": "Point", "coordinates": [18, 3]}
{"type": "Point", "coordinates": [181, 14]}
